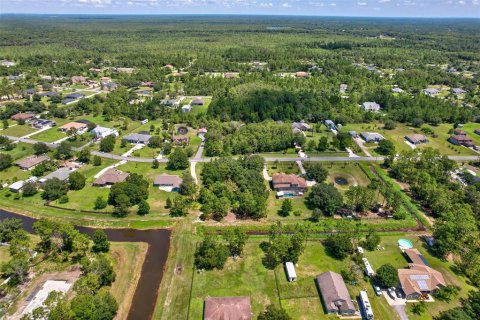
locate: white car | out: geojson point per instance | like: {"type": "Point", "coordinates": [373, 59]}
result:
{"type": "Point", "coordinates": [378, 291]}
{"type": "Point", "coordinates": [391, 293]}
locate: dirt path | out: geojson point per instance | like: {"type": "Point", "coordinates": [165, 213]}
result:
{"type": "Point", "coordinates": [193, 172]}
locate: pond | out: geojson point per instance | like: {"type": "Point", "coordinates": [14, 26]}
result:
{"type": "Point", "coordinates": [145, 297]}
{"type": "Point", "coordinates": [341, 181]}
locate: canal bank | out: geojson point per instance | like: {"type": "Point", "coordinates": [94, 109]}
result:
{"type": "Point", "coordinates": [145, 297]}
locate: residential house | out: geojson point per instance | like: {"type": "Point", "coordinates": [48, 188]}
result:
{"type": "Point", "coordinates": [110, 86]}
{"type": "Point", "coordinates": [102, 132]}
{"type": "Point", "coordinates": [197, 102]}
{"type": "Point", "coordinates": [459, 132]}
{"type": "Point", "coordinates": [458, 91]}
{"type": "Point", "coordinates": [419, 280]}
{"type": "Point", "coordinates": [202, 132]}
{"type": "Point", "coordinates": [371, 136]}
{"type": "Point", "coordinates": [30, 91]}
{"type": "Point", "coordinates": [462, 140]}
{"type": "Point", "coordinates": [300, 126]}
{"type": "Point", "coordinates": [397, 90]}
{"type": "Point", "coordinates": [16, 186]}
{"type": "Point", "coordinates": [227, 308]}
{"type": "Point", "coordinates": [7, 63]}
{"type": "Point", "coordinates": [137, 138]}
{"type": "Point", "coordinates": [74, 96]}
{"type": "Point", "coordinates": [180, 139]}
{"type": "Point", "coordinates": [49, 94]}
{"type": "Point", "coordinates": [354, 134]}
{"type": "Point", "coordinates": [334, 293]}
{"type": "Point", "coordinates": [168, 182]}
{"type": "Point", "coordinates": [31, 162]}
{"type": "Point", "coordinates": [288, 185]}
{"type": "Point", "coordinates": [431, 92]}
{"type": "Point", "coordinates": [416, 138]}
{"type": "Point", "coordinates": [230, 75]}
{"type": "Point", "coordinates": [186, 108]}
{"type": "Point", "coordinates": [61, 174]}
{"type": "Point", "coordinates": [23, 116]}
{"type": "Point", "coordinates": [110, 177]}
{"type": "Point", "coordinates": [302, 74]}
{"type": "Point", "coordinates": [42, 123]}
{"type": "Point", "coordinates": [343, 88]}
{"type": "Point", "coordinates": [371, 106]}
{"type": "Point", "coordinates": [148, 84]}
{"type": "Point", "coordinates": [77, 79]}
{"type": "Point", "coordinates": [79, 127]}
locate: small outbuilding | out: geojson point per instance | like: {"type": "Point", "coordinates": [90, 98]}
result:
{"type": "Point", "coordinates": [290, 270]}
{"type": "Point", "coordinates": [416, 138]}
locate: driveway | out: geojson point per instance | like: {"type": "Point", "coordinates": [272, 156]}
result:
{"type": "Point", "coordinates": [398, 305]}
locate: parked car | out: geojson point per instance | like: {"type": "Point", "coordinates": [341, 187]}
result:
{"type": "Point", "coordinates": [378, 291]}
{"type": "Point", "coordinates": [391, 293]}
{"type": "Point", "coordinates": [399, 293]}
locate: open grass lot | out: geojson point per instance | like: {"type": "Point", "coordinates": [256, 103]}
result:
{"type": "Point", "coordinates": [350, 172]}
{"type": "Point", "coordinates": [4, 254]}
{"type": "Point", "coordinates": [18, 130]}
{"type": "Point", "coordinates": [393, 255]}
{"type": "Point", "coordinates": [146, 152]}
{"type": "Point", "coordinates": [244, 277]}
{"type": "Point", "coordinates": [199, 109]}
{"type": "Point", "coordinates": [127, 259]}
{"type": "Point", "coordinates": [20, 151]}
{"type": "Point", "coordinates": [285, 167]}
{"type": "Point", "coordinates": [12, 173]}
{"type": "Point", "coordinates": [117, 123]}
{"type": "Point", "coordinates": [289, 153]}
{"type": "Point", "coordinates": [397, 136]}
{"type": "Point", "coordinates": [50, 135]}
{"type": "Point", "coordinates": [274, 205]}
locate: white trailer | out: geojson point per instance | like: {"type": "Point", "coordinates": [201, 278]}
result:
{"type": "Point", "coordinates": [291, 274]}
{"type": "Point", "coordinates": [368, 268]}
{"type": "Point", "coordinates": [367, 308]}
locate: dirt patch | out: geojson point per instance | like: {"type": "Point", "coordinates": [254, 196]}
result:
{"type": "Point", "coordinates": [230, 218]}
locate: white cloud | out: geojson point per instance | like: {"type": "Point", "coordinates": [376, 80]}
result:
{"type": "Point", "coordinates": [333, 4]}
{"type": "Point", "coordinates": [383, 1]}
{"type": "Point", "coordinates": [362, 3]}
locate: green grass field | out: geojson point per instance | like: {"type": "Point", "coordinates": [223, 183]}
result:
{"type": "Point", "coordinates": [18, 130]}
{"type": "Point", "coordinates": [350, 172]}
{"type": "Point", "coordinates": [285, 167]}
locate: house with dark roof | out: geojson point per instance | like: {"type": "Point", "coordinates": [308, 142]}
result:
{"type": "Point", "coordinates": [168, 182]}
{"type": "Point", "coordinates": [197, 102]}
{"type": "Point", "coordinates": [180, 139]}
{"type": "Point", "coordinates": [227, 308]}
{"type": "Point", "coordinates": [137, 138]}
{"type": "Point", "coordinates": [462, 140]}
{"type": "Point", "coordinates": [78, 79]}
{"type": "Point", "coordinates": [61, 174]}
{"type": "Point", "coordinates": [288, 185]}
{"type": "Point", "coordinates": [110, 177]}
{"type": "Point", "coordinates": [416, 138]}
{"type": "Point", "coordinates": [431, 92]}
{"type": "Point", "coordinates": [458, 91]}
{"type": "Point", "coordinates": [334, 294]}
{"type": "Point", "coordinates": [49, 94]}
{"type": "Point", "coordinates": [23, 116]}
{"type": "Point", "coordinates": [74, 96]}
{"type": "Point", "coordinates": [31, 162]}
{"type": "Point", "coordinates": [300, 126]}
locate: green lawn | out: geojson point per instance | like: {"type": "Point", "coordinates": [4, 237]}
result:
{"type": "Point", "coordinates": [13, 173]}
{"type": "Point", "coordinates": [244, 277]}
{"type": "Point", "coordinates": [18, 130]}
{"type": "Point", "coordinates": [351, 172]}
{"type": "Point", "coordinates": [285, 167]}
{"type": "Point", "coordinates": [200, 109]}
{"type": "Point", "coordinates": [4, 254]}
{"type": "Point", "coordinates": [146, 152]}
{"type": "Point", "coordinates": [20, 151]}
{"type": "Point", "coordinates": [274, 205]}
{"type": "Point", "coordinates": [50, 135]}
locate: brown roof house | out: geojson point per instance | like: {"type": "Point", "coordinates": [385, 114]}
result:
{"type": "Point", "coordinates": [110, 177]}
{"type": "Point", "coordinates": [197, 102]}
{"type": "Point", "coordinates": [419, 278]}
{"type": "Point", "coordinates": [227, 308]}
{"type": "Point", "coordinates": [168, 182]}
{"type": "Point", "coordinates": [78, 79]}
{"type": "Point", "coordinates": [335, 296]}
{"type": "Point", "coordinates": [79, 126]}
{"type": "Point", "coordinates": [31, 162]}
{"type": "Point", "coordinates": [288, 185]}
{"type": "Point", "coordinates": [22, 116]}
{"type": "Point", "coordinates": [462, 140]}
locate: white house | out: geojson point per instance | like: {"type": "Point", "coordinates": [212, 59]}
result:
{"type": "Point", "coordinates": [186, 108]}
{"type": "Point", "coordinates": [102, 132]}
{"type": "Point", "coordinates": [371, 106]}
{"type": "Point", "coordinates": [16, 186]}
{"type": "Point", "coordinates": [291, 274]}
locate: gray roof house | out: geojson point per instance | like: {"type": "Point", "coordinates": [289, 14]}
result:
{"type": "Point", "coordinates": [431, 91]}
{"type": "Point", "coordinates": [61, 174]}
{"type": "Point", "coordinates": [371, 136]}
{"type": "Point", "coordinates": [335, 296]}
{"type": "Point", "coordinates": [371, 106]}
{"type": "Point", "coordinates": [330, 124]}
{"type": "Point", "coordinates": [137, 138]}
{"type": "Point", "coordinates": [168, 182]}
{"type": "Point", "coordinates": [75, 95]}
{"type": "Point", "coordinates": [300, 126]}
{"type": "Point", "coordinates": [458, 91]}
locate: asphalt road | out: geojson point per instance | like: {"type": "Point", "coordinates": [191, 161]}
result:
{"type": "Point", "coordinates": [204, 159]}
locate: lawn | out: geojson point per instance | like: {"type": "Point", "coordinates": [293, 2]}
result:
{"type": "Point", "coordinates": [200, 109]}
{"type": "Point", "coordinates": [13, 173]}
{"type": "Point", "coordinates": [18, 130]}
{"type": "Point", "coordinates": [274, 205]}
{"type": "Point", "coordinates": [244, 277]}
{"type": "Point", "coordinates": [350, 172]}
{"type": "Point", "coordinates": [4, 254]}
{"type": "Point", "coordinates": [50, 135]}
{"type": "Point", "coordinates": [285, 167]}
{"type": "Point", "coordinates": [127, 259]}
{"type": "Point", "coordinates": [20, 151]}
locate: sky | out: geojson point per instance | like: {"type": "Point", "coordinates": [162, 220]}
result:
{"type": "Point", "coordinates": [374, 8]}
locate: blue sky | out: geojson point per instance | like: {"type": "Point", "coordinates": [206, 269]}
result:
{"type": "Point", "coordinates": [381, 8]}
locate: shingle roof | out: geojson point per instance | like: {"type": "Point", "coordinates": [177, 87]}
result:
{"type": "Point", "coordinates": [22, 116]}
{"type": "Point", "coordinates": [228, 308]}
{"type": "Point", "coordinates": [287, 180]}
{"type": "Point", "coordinates": [334, 292]}
{"type": "Point", "coordinates": [111, 176]}
{"type": "Point", "coordinates": [137, 137]}
{"type": "Point", "coordinates": [168, 179]}
{"type": "Point", "coordinates": [31, 161]}
{"type": "Point", "coordinates": [420, 278]}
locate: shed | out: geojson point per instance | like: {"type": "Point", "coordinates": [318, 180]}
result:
{"type": "Point", "coordinates": [16, 186]}
{"type": "Point", "coordinates": [290, 270]}
{"type": "Point", "coordinates": [368, 268]}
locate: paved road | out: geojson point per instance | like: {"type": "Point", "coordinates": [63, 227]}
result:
{"type": "Point", "coordinates": [204, 159]}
